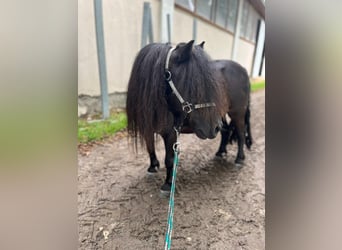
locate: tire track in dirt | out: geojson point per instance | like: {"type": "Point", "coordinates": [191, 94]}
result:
{"type": "Point", "coordinates": [217, 205]}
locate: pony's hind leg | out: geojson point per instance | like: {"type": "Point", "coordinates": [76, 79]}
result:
{"type": "Point", "coordinates": [154, 163]}
{"type": "Point", "coordinates": [249, 140]}
{"type": "Point", "coordinates": [169, 139]}
{"type": "Point", "coordinates": [225, 130]}
{"type": "Point", "coordinates": [239, 123]}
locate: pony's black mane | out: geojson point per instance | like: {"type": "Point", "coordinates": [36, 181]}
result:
{"type": "Point", "coordinates": [194, 78]}
{"type": "Point", "coordinates": [195, 81]}
{"type": "Point", "coordinates": [147, 106]}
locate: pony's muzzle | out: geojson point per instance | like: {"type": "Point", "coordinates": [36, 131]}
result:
{"type": "Point", "coordinates": [215, 131]}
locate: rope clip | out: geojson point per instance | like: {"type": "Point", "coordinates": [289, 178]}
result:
{"type": "Point", "coordinates": [176, 147]}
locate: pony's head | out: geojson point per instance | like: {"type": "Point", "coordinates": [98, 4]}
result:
{"type": "Point", "coordinates": [191, 74]}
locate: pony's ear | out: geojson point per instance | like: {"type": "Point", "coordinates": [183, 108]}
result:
{"type": "Point", "coordinates": [201, 44]}
{"type": "Point", "coordinates": [184, 51]}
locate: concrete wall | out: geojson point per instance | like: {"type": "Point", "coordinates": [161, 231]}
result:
{"type": "Point", "coordinates": [218, 42]}
{"type": "Point", "coordinates": [182, 26]}
{"type": "Point", "coordinates": [122, 31]}
{"type": "Point", "coordinates": [88, 74]}
{"type": "Point", "coordinates": [245, 54]}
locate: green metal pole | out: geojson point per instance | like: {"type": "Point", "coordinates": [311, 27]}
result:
{"type": "Point", "coordinates": [101, 55]}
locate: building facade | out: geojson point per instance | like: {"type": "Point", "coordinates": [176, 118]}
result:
{"type": "Point", "coordinates": [231, 29]}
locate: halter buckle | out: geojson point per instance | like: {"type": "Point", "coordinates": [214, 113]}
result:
{"type": "Point", "coordinates": [187, 107]}
{"type": "Point", "coordinates": [168, 75]}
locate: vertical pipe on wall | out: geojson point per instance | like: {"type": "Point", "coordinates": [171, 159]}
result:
{"type": "Point", "coordinates": [145, 24]}
{"type": "Point", "coordinates": [150, 26]}
{"type": "Point", "coordinates": [237, 31]}
{"type": "Point", "coordinates": [166, 8]}
{"type": "Point", "coordinates": [168, 21]}
{"type": "Point", "coordinates": [101, 55]}
{"type": "Point", "coordinates": [194, 29]}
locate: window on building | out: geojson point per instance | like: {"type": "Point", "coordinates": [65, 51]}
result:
{"type": "Point", "coordinates": [203, 8]}
{"type": "Point", "coordinates": [189, 4]}
{"type": "Point", "coordinates": [224, 13]}
{"type": "Point", "coordinates": [244, 19]}
{"type": "Point", "coordinates": [232, 9]}
{"type": "Point", "coordinates": [250, 24]}
{"type": "Point", "coordinates": [221, 13]}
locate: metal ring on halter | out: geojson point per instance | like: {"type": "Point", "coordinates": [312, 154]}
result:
{"type": "Point", "coordinates": [187, 107]}
{"type": "Point", "coordinates": [167, 75]}
{"type": "Point", "coordinates": [175, 147]}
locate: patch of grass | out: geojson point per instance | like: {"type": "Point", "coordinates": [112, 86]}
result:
{"type": "Point", "coordinates": [97, 130]}
{"type": "Point", "coordinates": [257, 85]}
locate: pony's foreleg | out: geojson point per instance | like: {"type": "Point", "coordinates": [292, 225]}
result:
{"type": "Point", "coordinates": [225, 130]}
{"type": "Point", "coordinates": [154, 163]}
{"type": "Point", "coordinates": [169, 139]}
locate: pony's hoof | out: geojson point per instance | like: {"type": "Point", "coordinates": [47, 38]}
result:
{"type": "Point", "coordinates": [165, 189]}
{"type": "Point", "coordinates": [239, 162]}
{"type": "Point", "coordinates": [152, 170]}
{"type": "Point", "coordinates": [221, 154]}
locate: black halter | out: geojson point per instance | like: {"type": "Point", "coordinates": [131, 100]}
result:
{"type": "Point", "coordinates": [186, 106]}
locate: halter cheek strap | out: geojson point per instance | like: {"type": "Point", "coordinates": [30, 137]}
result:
{"type": "Point", "coordinates": [186, 106]}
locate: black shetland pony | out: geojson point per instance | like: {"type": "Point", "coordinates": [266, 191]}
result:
{"type": "Point", "coordinates": [179, 88]}
{"type": "Point", "coordinates": [234, 81]}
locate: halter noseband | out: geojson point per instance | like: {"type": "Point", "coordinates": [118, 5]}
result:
{"type": "Point", "coordinates": [186, 106]}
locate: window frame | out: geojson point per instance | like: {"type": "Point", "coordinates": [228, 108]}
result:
{"type": "Point", "coordinates": [212, 19]}
{"type": "Point", "coordinates": [215, 15]}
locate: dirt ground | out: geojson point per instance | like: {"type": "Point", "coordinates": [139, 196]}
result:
{"type": "Point", "coordinates": [217, 204]}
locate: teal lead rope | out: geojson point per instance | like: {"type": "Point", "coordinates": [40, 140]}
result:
{"type": "Point", "coordinates": [172, 196]}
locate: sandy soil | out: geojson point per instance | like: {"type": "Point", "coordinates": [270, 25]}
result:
{"type": "Point", "coordinates": [217, 205]}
